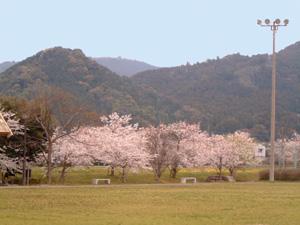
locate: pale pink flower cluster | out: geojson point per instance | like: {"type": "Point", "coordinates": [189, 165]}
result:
{"type": "Point", "coordinates": [118, 143]}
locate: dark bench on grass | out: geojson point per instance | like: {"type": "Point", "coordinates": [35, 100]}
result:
{"type": "Point", "coordinates": [220, 179]}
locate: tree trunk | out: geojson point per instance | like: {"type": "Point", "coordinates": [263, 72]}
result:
{"type": "Point", "coordinates": [157, 179]}
{"type": "Point", "coordinates": [232, 172]}
{"type": "Point", "coordinates": [220, 171]}
{"type": "Point", "coordinates": [49, 163]}
{"type": "Point", "coordinates": [220, 167]}
{"type": "Point", "coordinates": [24, 178]}
{"type": "Point", "coordinates": [157, 175]}
{"type": "Point", "coordinates": [296, 158]}
{"type": "Point", "coordinates": [283, 158]}
{"type": "Point", "coordinates": [63, 173]}
{"type": "Point", "coordinates": [173, 172]}
{"type": "Point", "coordinates": [2, 177]}
{"type": "Point", "coordinates": [124, 175]}
{"type": "Point", "coordinates": [112, 171]}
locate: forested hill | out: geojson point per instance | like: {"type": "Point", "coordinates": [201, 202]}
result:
{"type": "Point", "coordinates": [95, 86]}
{"type": "Point", "coordinates": [124, 67]}
{"type": "Point", "coordinates": [119, 65]}
{"type": "Point", "coordinates": [234, 92]}
{"type": "Point", "coordinates": [225, 94]}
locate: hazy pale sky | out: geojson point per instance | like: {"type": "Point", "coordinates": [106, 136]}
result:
{"type": "Point", "coordinates": [160, 32]}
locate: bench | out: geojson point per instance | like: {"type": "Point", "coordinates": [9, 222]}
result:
{"type": "Point", "coordinates": [185, 179]}
{"type": "Point", "coordinates": [220, 179]}
{"type": "Point", "coordinates": [105, 181]}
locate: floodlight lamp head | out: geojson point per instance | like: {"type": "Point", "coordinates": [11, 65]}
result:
{"type": "Point", "coordinates": [267, 21]}
{"type": "Point", "coordinates": [286, 22]}
{"type": "Point", "coordinates": [259, 22]}
{"type": "Point", "coordinates": [277, 21]}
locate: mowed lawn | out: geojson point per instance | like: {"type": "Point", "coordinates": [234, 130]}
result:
{"type": "Point", "coordinates": [256, 203]}
{"type": "Point", "coordinates": [84, 176]}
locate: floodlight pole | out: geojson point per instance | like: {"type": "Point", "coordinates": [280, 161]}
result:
{"type": "Point", "coordinates": [274, 27]}
{"type": "Point", "coordinates": [273, 108]}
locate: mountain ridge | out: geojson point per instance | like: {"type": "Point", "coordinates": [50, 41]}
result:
{"type": "Point", "coordinates": [5, 65]}
{"type": "Point", "coordinates": [233, 92]}
{"type": "Point", "coordinates": [123, 66]}
{"type": "Point", "coordinates": [223, 94]}
{"type": "Point", "coordinates": [94, 85]}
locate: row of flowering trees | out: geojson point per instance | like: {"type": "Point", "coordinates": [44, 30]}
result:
{"type": "Point", "coordinates": [287, 151]}
{"type": "Point", "coordinates": [120, 144]}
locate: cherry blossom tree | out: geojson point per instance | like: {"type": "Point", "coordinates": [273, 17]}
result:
{"type": "Point", "coordinates": [282, 152]}
{"type": "Point", "coordinates": [241, 151]}
{"type": "Point", "coordinates": [293, 149]}
{"type": "Point", "coordinates": [120, 144]}
{"type": "Point", "coordinates": [217, 152]}
{"type": "Point", "coordinates": [230, 152]}
{"type": "Point", "coordinates": [113, 124]}
{"type": "Point", "coordinates": [58, 116]}
{"type": "Point", "coordinates": [158, 144]}
{"type": "Point", "coordinates": [71, 150]}
{"type": "Point", "coordinates": [174, 146]}
{"type": "Point", "coordinates": [183, 135]}
{"type": "Point", "coordinates": [197, 149]}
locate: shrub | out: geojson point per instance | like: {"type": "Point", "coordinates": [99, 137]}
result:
{"type": "Point", "coordinates": [282, 175]}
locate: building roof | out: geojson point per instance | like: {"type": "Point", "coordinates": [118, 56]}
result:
{"type": "Point", "coordinates": [4, 128]}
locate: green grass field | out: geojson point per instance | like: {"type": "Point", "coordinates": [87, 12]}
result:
{"type": "Point", "coordinates": [84, 176]}
{"type": "Point", "coordinates": [256, 203]}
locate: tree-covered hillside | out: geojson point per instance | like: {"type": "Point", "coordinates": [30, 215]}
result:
{"type": "Point", "coordinates": [234, 92]}
{"type": "Point", "coordinates": [224, 95]}
{"type": "Point", "coordinates": [94, 86]}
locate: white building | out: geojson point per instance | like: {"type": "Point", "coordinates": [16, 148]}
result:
{"type": "Point", "coordinates": [260, 151]}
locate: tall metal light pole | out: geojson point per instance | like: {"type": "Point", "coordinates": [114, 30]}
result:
{"type": "Point", "coordinates": [274, 27]}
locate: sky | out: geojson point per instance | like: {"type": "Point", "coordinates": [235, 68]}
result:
{"type": "Point", "coordinates": [160, 32]}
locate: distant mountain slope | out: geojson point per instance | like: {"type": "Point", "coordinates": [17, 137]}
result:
{"type": "Point", "coordinates": [5, 65]}
{"type": "Point", "coordinates": [124, 67]}
{"type": "Point", "coordinates": [225, 94]}
{"type": "Point", "coordinates": [93, 85]}
{"type": "Point", "coordinates": [234, 92]}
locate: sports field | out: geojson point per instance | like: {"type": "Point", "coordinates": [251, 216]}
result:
{"type": "Point", "coordinates": [254, 203]}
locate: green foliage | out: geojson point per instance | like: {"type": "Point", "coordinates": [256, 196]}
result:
{"type": "Point", "coordinates": [234, 92]}
{"type": "Point", "coordinates": [93, 86]}
{"type": "Point", "coordinates": [15, 145]}
{"type": "Point", "coordinates": [225, 94]}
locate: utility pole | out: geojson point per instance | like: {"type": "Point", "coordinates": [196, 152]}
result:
{"type": "Point", "coordinates": [24, 169]}
{"type": "Point", "coordinates": [274, 28]}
